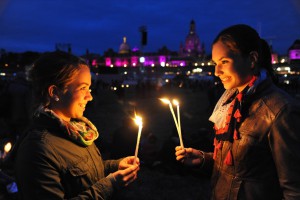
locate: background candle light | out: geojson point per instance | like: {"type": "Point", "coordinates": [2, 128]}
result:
{"type": "Point", "coordinates": [7, 148]}
{"type": "Point", "coordinates": [138, 120]}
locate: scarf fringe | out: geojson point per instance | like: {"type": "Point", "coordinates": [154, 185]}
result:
{"type": "Point", "coordinates": [237, 115]}
{"type": "Point", "coordinates": [228, 160]}
{"type": "Point", "coordinates": [236, 135]}
{"type": "Point", "coordinates": [218, 145]}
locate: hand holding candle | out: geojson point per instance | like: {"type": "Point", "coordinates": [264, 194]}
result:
{"type": "Point", "coordinates": [138, 120]}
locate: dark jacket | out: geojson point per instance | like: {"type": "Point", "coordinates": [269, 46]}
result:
{"type": "Point", "coordinates": [266, 158]}
{"type": "Point", "coordinates": [50, 166]}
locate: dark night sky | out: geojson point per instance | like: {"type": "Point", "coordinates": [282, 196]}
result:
{"type": "Point", "coordinates": [37, 25]}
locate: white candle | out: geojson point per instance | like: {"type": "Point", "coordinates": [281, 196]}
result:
{"type": "Point", "coordinates": [138, 120]}
{"type": "Point", "coordinates": [176, 103]}
{"type": "Point", "coordinates": [167, 101]}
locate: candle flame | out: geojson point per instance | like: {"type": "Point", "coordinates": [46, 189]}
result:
{"type": "Point", "coordinates": [164, 100]}
{"type": "Point", "coordinates": [175, 102]}
{"type": "Point", "coordinates": [7, 147]}
{"type": "Point", "coordinates": [138, 120]}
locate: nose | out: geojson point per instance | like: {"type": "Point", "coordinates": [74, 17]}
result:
{"type": "Point", "coordinates": [89, 96]}
{"type": "Point", "coordinates": [218, 71]}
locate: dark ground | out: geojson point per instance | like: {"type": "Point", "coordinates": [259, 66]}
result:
{"type": "Point", "coordinates": [160, 176]}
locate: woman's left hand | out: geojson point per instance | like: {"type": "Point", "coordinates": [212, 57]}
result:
{"type": "Point", "coordinates": [128, 162]}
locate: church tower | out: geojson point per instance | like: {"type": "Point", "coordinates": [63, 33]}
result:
{"type": "Point", "coordinates": [192, 46]}
{"type": "Point", "coordinates": [124, 47]}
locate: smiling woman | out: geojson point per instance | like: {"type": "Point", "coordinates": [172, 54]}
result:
{"type": "Point", "coordinates": [256, 134]}
{"type": "Point", "coordinates": [70, 101]}
{"type": "Point", "coordinates": [57, 157]}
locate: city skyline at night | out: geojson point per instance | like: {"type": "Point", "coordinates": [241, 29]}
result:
{"type": "Point", "coordinates": [89, 25]}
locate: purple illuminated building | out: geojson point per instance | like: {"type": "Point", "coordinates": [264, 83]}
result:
{"type": "Point", "coordinates": [192, 46]}
{"type": "Point", "coordinates": [294, 51]}
{"type": "Point", "coordinates": [191, 52]}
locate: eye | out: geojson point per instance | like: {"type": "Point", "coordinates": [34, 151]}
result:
{"type": "Point", "coordinates": [85, 88]}
{"type": "Point", "coordinates": [224, 62]}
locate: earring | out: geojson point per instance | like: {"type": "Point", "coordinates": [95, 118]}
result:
{"type": "Point", "coordinates": [56, 99]}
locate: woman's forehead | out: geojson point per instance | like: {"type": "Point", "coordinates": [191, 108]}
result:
{"type": "Point", "coordinates": [80, 77]}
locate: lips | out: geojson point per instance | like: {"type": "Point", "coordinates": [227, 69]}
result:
{"type": "Point", "coordinates": [82, 106]}
{"type": "Point", "coordinates": [225, 79]}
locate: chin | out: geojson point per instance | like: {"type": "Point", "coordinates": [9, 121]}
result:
{"type": "Point", "coordinates": [79, 116]}
{"type": "Point", "coordinates": [227, 87]}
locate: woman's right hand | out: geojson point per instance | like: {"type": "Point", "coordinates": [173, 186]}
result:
{"type": "Point", "coordinates": [189, 156]}
{"type": "Point", "coordinates": [124, 177]}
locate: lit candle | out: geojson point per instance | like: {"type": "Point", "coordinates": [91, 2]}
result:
{"type": "Point", "coordinates": [7, 148]}
{"type": "Point", "coordinates": [167, 101]}
{"type": "Point", "coordinates": [176, 103]}
{"type": "Point", "coordinates": [138, 120]}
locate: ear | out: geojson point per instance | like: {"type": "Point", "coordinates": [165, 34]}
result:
{"type": "Point", "coordinates": [53, 91]}
{"type": "Point", "coordinates": [253, 55]}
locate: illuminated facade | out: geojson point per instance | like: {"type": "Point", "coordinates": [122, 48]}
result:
{"type": "Point", "coordinates": [294, 51]}
{"type": "Point", "coordinates": [190, 53]}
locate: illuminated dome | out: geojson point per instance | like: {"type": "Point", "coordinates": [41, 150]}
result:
{"type": "Point", "coordinates": [124, 47]}
{"type": "Point", "coordinates": [192, 45]}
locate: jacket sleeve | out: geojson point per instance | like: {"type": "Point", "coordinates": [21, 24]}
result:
{"type": "Point", "coordinates": [111, 166]}
{"type": "Point", "coordinates": [284, 140]}
{"type": "Point", "coordinates": [38, 176]}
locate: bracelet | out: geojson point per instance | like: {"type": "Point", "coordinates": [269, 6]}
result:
{"type": "Point", "coordinates": [203, 158]}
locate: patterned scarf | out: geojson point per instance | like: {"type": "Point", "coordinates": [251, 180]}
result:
{"type": "Point", "coordinates": [227, 115]}
{"type": "Point", "coordinates": [81, 130]}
